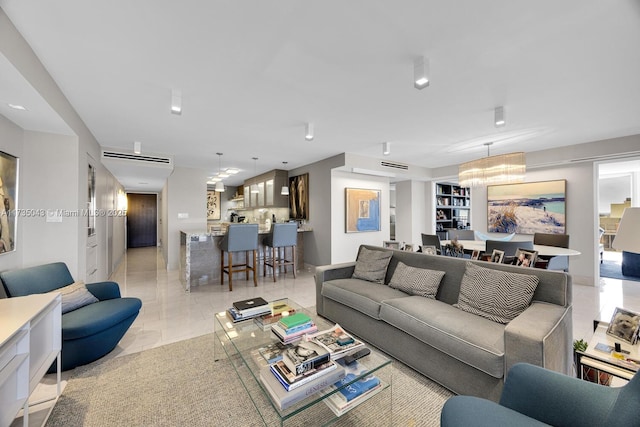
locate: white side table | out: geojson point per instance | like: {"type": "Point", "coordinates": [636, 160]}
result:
{"type": "Point", "coordinates": [30, 341]}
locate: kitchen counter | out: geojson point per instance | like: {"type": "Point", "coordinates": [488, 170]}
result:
{"type": "Point", "coordinates": [200, 255]}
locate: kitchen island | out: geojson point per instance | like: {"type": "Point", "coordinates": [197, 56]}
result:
{"type": "Point", "coordinates": [200, 256]}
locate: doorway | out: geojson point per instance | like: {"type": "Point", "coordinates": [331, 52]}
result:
{"type": "Point", "coordinates": [142, 220]}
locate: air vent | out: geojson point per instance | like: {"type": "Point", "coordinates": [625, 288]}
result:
{"type": "Point", "coordinates": [156, 160]}
{"type": "Point", "coordinates": [394, 165]}
{"type": "Point", "coordinates": [614, 156]}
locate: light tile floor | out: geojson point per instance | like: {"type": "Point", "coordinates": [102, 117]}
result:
{"type": "Point", "coordinates": [170, 314]}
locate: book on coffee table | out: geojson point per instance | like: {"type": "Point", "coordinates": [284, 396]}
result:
{"type": "Point", "coordinates": [252, 307]}
{"type": "Point", "coordinates": [351, 395]}
{"type": "Point", "coordinates": [291, 380]}
{"type": "Point", "coordinates": [336, 340]}
{"type": "Point", "coordinates": [284, 399]}
{"type": "Point", "coordinates": [304, 356]}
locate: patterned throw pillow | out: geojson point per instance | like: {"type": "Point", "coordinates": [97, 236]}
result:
{"type": "Point", "coordinates": [497, 295]}
{"type": "Point", "coordinates": [74, 296]}
{"type": "Point", "coordinates": [416, 281]}
{"type": "Point", "coordinates": [372, 265]}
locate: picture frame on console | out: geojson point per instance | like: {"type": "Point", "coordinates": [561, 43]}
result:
{"type": "Point", "coordinates": [8, 201]}
{"type": "Point", "coordinates": [624, 325]}
{"type": "Point", "coordinates": [497, 256]}
{"type": "Point", "coordinates": [429, 250]}
{"type": "Point", "coordinates": [525, 258]}
{"type": "Point", "coordinates": [391, 244]}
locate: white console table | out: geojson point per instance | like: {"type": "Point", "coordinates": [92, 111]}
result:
{"type": "Point", "coordinates": [30, 341]}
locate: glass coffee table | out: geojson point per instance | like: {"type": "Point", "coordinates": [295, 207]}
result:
{"type": "Point", "coordinates": [239, 343]}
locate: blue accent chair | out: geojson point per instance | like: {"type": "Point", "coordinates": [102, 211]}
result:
{"type": "Point", "coordinates": [534, 396]}
{"type": "Point", "coordinates": [89, 332]}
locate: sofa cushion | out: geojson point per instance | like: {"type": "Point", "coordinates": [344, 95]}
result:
{"type": "Point", "coordinates": [473, 340]}
{"type": "Point", "coordinates": [416, 281]}
{"type": "Point", "coordinates": [372, 265]}
{"type": "Point", "coordinates": [94, 318]}
{"type": "Point", "coordinates": [496, 295]}
{"type": "Point", "coordinates": [74, 296]}
{"type": "Point", "coordinates": [360, 295]}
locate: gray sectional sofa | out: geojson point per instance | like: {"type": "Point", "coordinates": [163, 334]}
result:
{"type": "Point", "coordinates": [464, 352]}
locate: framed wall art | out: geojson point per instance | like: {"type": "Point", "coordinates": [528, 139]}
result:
{"type": "Point", "coordinates": [362, 210]}
{"type": "Point", "coordinates": [299, 196]}
{"type": "Point", "coordinates": [213, 205]}
{"type": "Point", "coordinates": [9, 201]}
{"type": "Point", "coordinates": [527, 208]}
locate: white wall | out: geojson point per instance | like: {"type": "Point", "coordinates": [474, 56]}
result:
{"type": "Point", "coordinates": [48, 177]}
{"type": "Point", "coordinates": [186, 193]}
{"type": "Point", "coordinates": [344, 246]}
{"type": "Point", "coordinates": [413, 216]}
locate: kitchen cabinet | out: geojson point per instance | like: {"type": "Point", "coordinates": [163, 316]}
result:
{"type": "Point", "coordinates": [269, 185]}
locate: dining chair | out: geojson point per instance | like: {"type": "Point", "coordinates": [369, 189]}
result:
{"type": "Point", "coordinates": [552, 262]}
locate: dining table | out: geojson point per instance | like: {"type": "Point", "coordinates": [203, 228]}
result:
{"type": "Point", "coordinates": [480, 245]}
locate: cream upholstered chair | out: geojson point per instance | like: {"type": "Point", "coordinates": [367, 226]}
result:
{"type": "Point", "coordinates": [239, 238]}
{"type": "Point", "coordinates": [281, 237]}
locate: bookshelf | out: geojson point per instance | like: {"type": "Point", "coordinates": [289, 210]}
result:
{"type": "Point", "coordinates": [453, 206]}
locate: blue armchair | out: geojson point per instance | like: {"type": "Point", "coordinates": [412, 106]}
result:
{"type": "Point", "coordinates": [88, 332]}
{"type": "Point", "coordinates": [534, 396]}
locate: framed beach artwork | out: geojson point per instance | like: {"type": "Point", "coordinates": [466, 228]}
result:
{"type": "Point", "coordinates": [9, 201]}
{"type": "Point", "coordinates": [362, 210]}
{"type": "Point", "coordinates": [527, 208]}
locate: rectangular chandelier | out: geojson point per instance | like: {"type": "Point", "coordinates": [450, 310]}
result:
{"type": "Point", "coordinates": [500, 169]}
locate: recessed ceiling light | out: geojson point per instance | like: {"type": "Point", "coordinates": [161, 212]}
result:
{"type": "Point", "coordinates": [17, 107]}
{"type": "Point", "coordinates": [223, 175]}
{"type": "Point", "coordinates": [143, 183]}
{"type": "Point", "coordinates": [231, 171]}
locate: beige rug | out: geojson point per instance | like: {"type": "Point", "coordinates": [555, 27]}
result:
{"type": "Point", "coordinates": [180, 385]}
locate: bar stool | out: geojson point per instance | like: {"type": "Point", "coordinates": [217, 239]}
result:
{"type": "Point", "coordinates": [281, 236]}
{"type": "Point", "coordinates": [239, 238]}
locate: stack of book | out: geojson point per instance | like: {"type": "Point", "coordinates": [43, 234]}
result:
{"type": "Point", "coordinates": [290, 329]}
{"type": "Point", "coordinates": [248, 309]}
{"type": "Point", "coordinates": [279, 309]}
{"type": "Point", "coordinates": [351, 395]}
{"type": "Point", "coordinates": [305, 369]}
{"type": "Point", "coordinates": [336, 341]}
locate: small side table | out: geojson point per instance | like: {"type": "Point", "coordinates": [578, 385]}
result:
{"type": "Point", "coordinates": [602, 363]}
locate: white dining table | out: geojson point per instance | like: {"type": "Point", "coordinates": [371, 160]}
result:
{"type": "Point", "coordinates": [480, 245]}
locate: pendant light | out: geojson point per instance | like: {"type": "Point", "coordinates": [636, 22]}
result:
{"type": "Point", "coordinates": [285, 188]}
{"type": "Point", "coordinates": [254, 186]}
{"type": "Point", "coordinates": [219, 185]}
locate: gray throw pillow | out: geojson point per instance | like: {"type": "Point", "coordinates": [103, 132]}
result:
{"type": "Point", "coordinates": [74, 296]}
{"type": "Point", "coordinates": [372, 265]}
{"type": "Point", "coordinates": [497, 295]}
{"type": "Point", "coordinates": [416, 281]}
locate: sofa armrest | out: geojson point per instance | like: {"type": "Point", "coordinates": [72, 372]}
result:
{"type": "Point", "coordinates": [330, 272]}
{"type": "Point", "coordinates": [542, 336]}
{"type": "Point", "coordinates": [104, 290]}
{"type": "Point", "coordinates": [557, 399]}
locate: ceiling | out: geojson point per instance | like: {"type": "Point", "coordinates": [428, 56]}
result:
{"type": "Point", "coordinates": [252, 73]}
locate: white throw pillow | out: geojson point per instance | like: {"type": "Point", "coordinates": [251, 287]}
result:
{"type": "Point", "coordinates": [74, 296]}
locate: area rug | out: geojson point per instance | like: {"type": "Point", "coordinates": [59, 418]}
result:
{"type": "Point", "coordinates": [180, 385]}
{"type": "Point", "coordinates": [613, 270]}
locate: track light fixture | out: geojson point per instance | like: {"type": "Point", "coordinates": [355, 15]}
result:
{"type": "Point", "coordinates": [499, 117]}
{"type": "Point", "coordinates": [420, 73]}
{"type": "Point", "coordinates": [308, 131]}
{"type": "Point", "coordinates": [386, 148]}
{"type": "Point", "coordinates": [137, 147]}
